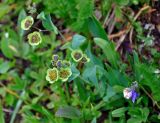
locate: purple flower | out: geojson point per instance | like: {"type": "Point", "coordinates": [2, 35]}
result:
{"type": "Point", "coordinates": [130, 93]}
{"type": "Point", "coordinates": [134, 95]}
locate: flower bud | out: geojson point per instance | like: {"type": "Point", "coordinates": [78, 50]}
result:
{"type": "Point", "coordinates": [27, 23]}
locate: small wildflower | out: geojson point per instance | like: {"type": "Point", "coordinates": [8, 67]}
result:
{"type": "Point", "coordinates": [85, 59]}
{"type": "Point", "coordinates": [130, 93]}
{"type": "Point", "coordinates": [52, 75]}
{"type": "Point", "coordinates": [77, 55]}
{"type": "Point", "coordinates": [59, 64]}
{"type": "Point", "coordinates": [65, 73]}
{"type": "Point", "coordinates": [34, 38]}
{"type": "Point", "coordinates": [55, 57]}
{"type": "Point", "coordinates": [27, 23]}
{"type": "Point", "coordinates": [66, 63]}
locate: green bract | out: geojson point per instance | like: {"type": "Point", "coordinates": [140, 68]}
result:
{"type": "Point", "coordinates": [52, 75]}
{"type": "Point", "coordinates": [77, 55]}
{"type": "Point", "coordinates": [64, 73]}
{"type": "Point", "coordinates": [34, 38]}
{"type": "Point", "coordinates": [66, 63]}
{"type": "Point", "coordinates": [85, 59]}
{"type": "Point", "coordinates": [27, 23]}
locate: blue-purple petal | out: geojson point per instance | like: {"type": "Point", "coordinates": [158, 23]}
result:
{"type": "Point", "coordinates": [134, 96]}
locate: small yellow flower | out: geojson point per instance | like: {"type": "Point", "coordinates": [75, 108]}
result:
{"type": "Point", "coordinates": [27, 23]}
{"type": "Point", "coordinates": [34, 38]}
{"type": "Point", "coordinates": [77, 55]}
{"type": "Point", "coordinates": [52, 75]}
{"type": "Point", "coordinates": [64, 74]}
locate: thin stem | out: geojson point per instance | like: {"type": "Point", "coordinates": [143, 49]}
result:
{"type": "Point", "coordinates": [67, 91]}
{"type": "Point", "coordinates": [63, 38]}
{"type": "Point", "coordinates": [154, 102]}
{"type": "Point", "coordinates": [40, 29]}
{"type": "Point", "coordinates": [106, 18]}
{"type": "Point", "coordinates": [7, 110]}
{"type": "Point", "coordinates": [18, 105]}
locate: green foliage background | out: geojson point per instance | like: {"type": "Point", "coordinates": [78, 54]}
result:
{"type": "Point", "coordinates": [94, 92]}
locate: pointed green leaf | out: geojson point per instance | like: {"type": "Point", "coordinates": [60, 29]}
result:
{"type": "Point", "coordinates": [68, 112]}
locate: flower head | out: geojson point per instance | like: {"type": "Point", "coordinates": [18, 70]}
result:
{"type": "Point", "coordinates": [52, 75]}
{"type": "Point", "coordinates": [77, 55]}
{"type": "Point", "coordinates": [27, 23]}
{"type": "Point", "coordinates": [85, 59]}
{"type": "Point", "coordinates": [34, 38]}
{"type": "Point", "coordinates": [64, 73]}
{"type": "Point", "coordinates": [130, 93]}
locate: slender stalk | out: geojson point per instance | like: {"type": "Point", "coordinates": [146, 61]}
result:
{"type": "Point", "coordinates": [67, 91]}
{"type": "Point", "coordinates": [154, 102]}
{"type": "Point", "coordinates": [106, 18]}
{"type": "Point", "coordinates": [63, 38]}
{"type": "Point", "coordinates": [18, 105]}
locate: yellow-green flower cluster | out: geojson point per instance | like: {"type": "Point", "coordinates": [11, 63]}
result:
{"type": "Point", "coordinates": [27, 23]}
{"type": "Point", "coordinates": [61, 70]}
{"type": "Point", "coordinates": [79, 56]}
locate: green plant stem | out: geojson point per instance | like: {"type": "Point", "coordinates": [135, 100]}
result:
{"type": "Point", "coordinates": [106, 18]}
{"type": "Point", "coordinates": [63, 38]}
{"type": "Point", "coordinates": [154, 102]}
{"type": "Point", "coordinates": [18, 105]}
{"type": "Point", "coordinates": [67, 91]}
